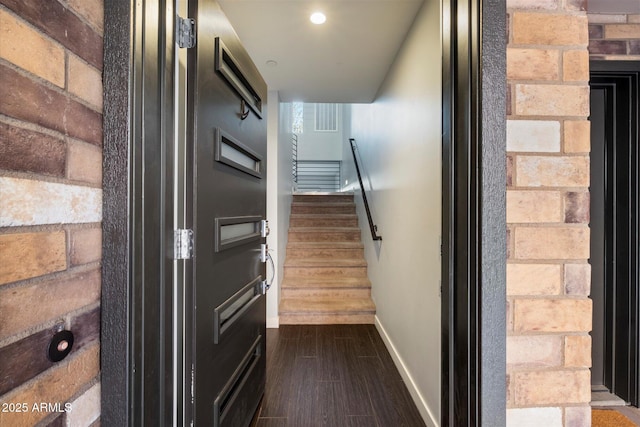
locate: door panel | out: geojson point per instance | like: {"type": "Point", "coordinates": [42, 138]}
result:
{"type": "Point", "coordinates": [228, 200]}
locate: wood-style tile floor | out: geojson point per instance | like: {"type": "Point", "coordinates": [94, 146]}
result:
{"type": "Point", "coordinates": [332, 375]}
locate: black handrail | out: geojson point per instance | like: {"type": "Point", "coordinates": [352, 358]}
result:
{"type": "Point", "coordinates": [294, 160]}
{"type": "Point", "coordinates": [372, 226]}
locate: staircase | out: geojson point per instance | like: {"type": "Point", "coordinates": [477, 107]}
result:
{"type": "Point", "coordinates": [325, 274]}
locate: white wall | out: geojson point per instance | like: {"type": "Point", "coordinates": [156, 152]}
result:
{"type": "Point", "coordinates": [313, 145]}
{"type": "Point", "coordinates": [279, 194]}
{"type": "Point", "coordinates": [399, 139]}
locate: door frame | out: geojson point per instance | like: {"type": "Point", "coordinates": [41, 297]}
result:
{"type": "Point", "coordinates": [137, 267]}
{"type": "Point", "coordinates": [137, 354]}
{"type": "Point", "coordinates": [474, 213]}
{"type": "Point", "coordinates": [614, 327]}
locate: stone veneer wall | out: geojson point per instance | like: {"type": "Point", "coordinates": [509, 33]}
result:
{"type": "Point", "coordinates": [614, 37]}
{"type": "Point", "coordinates": [50, 208]}
{"type": "Point", "coordinates": [548, 275]}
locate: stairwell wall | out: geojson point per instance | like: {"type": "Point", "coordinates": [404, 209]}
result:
{"type": "Point", "coordinates": [319, 145]}
{"type": "Point", "coordinates": [399, 140]}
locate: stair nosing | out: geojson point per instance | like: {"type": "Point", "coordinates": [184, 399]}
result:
{"type": "Point", "coordinates": [325, 262]}
{"type": "Point", "coordinates": [323, 193]}
{"type": "Point", "coordinates": [323, 203]}
{"type": "Point", "coordinates": [316, 228]}
{"type": "Point", "coordinates": [325, 245]}
{"type": "Point", "coordinates": [318, 216]}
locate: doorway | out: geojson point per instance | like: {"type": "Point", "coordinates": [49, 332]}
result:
{"type": "Point", "coordinates": [142, 380]}
{"type": "Point", "coordinates": [614, 228]}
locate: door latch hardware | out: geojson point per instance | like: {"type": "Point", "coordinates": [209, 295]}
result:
{"type": "Point", "coordinates": [185, 32]}
{"type": "Point", "coordinates": [264, 257]}
{"type": "Point", "coordinates": [182, 244]}
{"type": "Point", "coordinates": [264, 228]}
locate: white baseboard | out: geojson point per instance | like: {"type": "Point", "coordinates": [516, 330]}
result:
{"type": "Point", "coordinates": [273, 322]}
{"type": "Point", "coordinates": [422, 406]}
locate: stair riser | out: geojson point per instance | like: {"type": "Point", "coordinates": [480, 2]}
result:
{"type": "Point", "coordinates": [325, 271]}
{"type": "Point", "coordinates": [331, 198]}
{"type": "Point", "coordinates": [324, 222]}
{"type": "Point", "coordinates": [296, 253]}
{"type": "Point", "coordinates": [323, 292]}
{"type": "Point", "coordinates": [348, 208]}
{"type": "Point", "coordinates": [327, 319]}
{"type": "Point", "coordinates": [315, 236]}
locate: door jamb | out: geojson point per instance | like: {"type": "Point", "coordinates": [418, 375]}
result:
{"type": "Point", "coordinates": [603, 68]}
{"type": "Point", "coordinates": [474, 213]}
{"type": "Point", "coordinates": [138, 218]}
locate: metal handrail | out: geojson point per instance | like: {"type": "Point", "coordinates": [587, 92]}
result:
{"type": "Point", "coordinates": [318, 175]}
{"type": "Point", "coordinates": [373, 227]}
{"type": "Point", "coordinates": [294, 160]}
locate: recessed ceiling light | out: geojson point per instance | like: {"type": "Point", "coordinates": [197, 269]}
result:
{"type": "Point", "coordinates": [318, 18]}
{"type": "Point", "coordinates": [272, 63]}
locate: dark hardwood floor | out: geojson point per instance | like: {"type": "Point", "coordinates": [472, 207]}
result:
{"type": "Point", "coordinates": [332, 375]}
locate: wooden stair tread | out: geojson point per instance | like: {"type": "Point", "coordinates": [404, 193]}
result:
{"type": "Point", "coordinates": [325, 282]}
{"type": "Point", "coordinates": [323, 193]}
{"type": "Point", "coordinates": [326, 305]}
{"type": "Point", "coordinates": [316, 229]}
{"type": "Point", "coordinates": [324, 204]}
{"type": "Point", "coordinates": [322, 215]}
{"type": "Point", "coordinates": [325, 262]}
{"type": "Point", "coordinates": [327, 319]}
{"type": "Point", "coordinates": [325, 245]}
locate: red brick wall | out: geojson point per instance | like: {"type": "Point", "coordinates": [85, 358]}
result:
{"type": "Point", "coordinates": [50, 208]}
{"type": "Point", "coordinates": [548, 275]}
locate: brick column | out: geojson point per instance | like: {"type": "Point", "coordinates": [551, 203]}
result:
{"type": "Point", "coordinates": [50, 209]}
{"type": "Point", "coordinates": [548, 275]}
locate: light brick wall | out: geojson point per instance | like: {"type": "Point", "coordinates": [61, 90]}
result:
{"type": "Point", "coordinates": [614, 37]}
{"type": "Point", "coordinates": [548, 275]}
{"type": "Point", "coordinates": [50, 207]}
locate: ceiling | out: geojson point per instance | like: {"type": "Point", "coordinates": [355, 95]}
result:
{"type": "Point", "coordinates": [343, 60]}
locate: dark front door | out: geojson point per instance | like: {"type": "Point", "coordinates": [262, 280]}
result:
{"type": "Point", "coordinates": [227, 105]}
{"type": "Point", "coordinates": [615, 227]}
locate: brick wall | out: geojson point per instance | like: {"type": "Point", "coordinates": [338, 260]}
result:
{"type": "Point", "coordinates": [50, 208]}
{"type": "Point", "coordinates": [614, 37]}
{"type": "Point", "coordinates": [548, 275]}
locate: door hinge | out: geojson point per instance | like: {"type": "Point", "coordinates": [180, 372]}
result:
{"type": "Point", "coordinates": [192, 390]}
{"type": "Point", "coordinates": [264, 228]}
{"type": "Point", "coordinates": [185, 32]}
{"type": "Point", "coordinates": [182, 244]}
